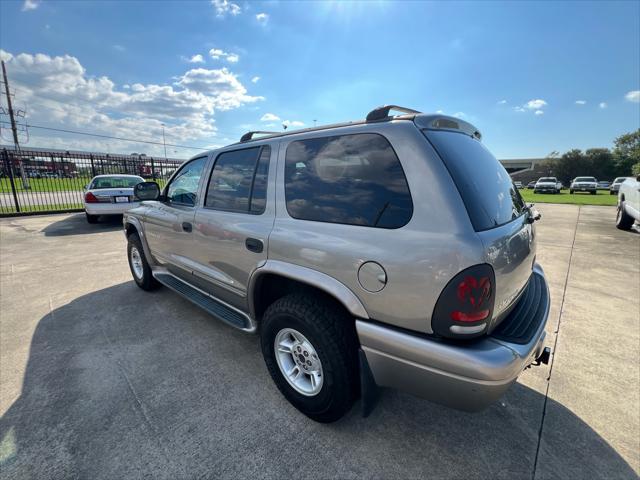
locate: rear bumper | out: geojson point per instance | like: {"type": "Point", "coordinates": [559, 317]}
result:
{"type": "Point", "coordinates": [109, 208]}
{"type": "Point", "coordinates": [463, 376]}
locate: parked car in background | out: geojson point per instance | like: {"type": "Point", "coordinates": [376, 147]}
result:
{"type": "Point", "coordinates": [318, 240]}
{"type": "Point", "coordinates": [584, 184]}
{"type": "Point", "coordinates": [628, 203]}
{"type": "Point", "coordinates": [110, 195]}
{"type": "Point", "coordinates": [615, 186]}
{"type": "Point", "coordinates": [518, 184]}
{"type": "Point", "coordinates": [531, 185]}
{"type": "Point", "coordinates": [603, 185]}
{"type": "Point", "coordinates": [547, 185]}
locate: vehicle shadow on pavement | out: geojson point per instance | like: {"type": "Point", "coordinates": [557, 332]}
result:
{"type": "Point", "coordinates": [122, 383]}
{"type": "Point", "coordinates": [77, 225]}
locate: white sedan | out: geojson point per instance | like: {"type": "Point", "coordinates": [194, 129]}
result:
{"type": "Point", "coordinates": [110, 195]}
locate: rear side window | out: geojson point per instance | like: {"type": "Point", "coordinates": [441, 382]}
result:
{"type": "Point", "coordinates": [348, 179]}
{"type": "Point", "coordinates": [484, 185]}
{"type": "Point", "coordinates": [238, 181]}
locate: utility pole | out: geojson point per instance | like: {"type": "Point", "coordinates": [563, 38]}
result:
{"type": "Point", "coordinates": [14, 129]}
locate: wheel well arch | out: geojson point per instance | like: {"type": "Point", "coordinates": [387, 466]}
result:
{"type": "Point", "coordinates": [267, 287]}
{"type": "Point", "coordinates": [130, 229]}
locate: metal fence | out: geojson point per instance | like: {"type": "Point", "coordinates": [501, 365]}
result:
{"type": "Point", "coordinates": [50, 181]}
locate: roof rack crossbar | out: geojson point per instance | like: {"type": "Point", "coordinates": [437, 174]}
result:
{"type": "Point", "coordinates": [382, 112]}
{"type": "Point", "coordinates": [249, 135]}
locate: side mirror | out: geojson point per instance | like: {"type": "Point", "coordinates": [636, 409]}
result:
{"type": "Point", "coordinates": [147, 191]}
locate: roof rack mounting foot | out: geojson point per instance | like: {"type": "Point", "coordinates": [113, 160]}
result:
{"type": "Point", "coordinates": [249, 135]}
{"type": "Point", "coordinates": [382, 113]}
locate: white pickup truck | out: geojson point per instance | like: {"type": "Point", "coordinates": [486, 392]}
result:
{"type": "Point", "coordinates": [628, 203]}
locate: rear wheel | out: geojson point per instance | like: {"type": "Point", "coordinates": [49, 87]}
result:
{"type": "Point", "coordinates": [310, 349]}
{"type": "Point", "coordinates": [138, 264]}
{"type": "Point", "coordinates": [624, 221]}
{"type": "Point", "coordinates": [571, 192]}
{"type": "Point", "coordinates": [91, 218]}
{"type": "Point", "coordinates": [594, 192]}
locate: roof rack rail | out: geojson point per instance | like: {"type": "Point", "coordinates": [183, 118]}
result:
{"type": "Point", "coordinates": [382, 112]}
{"type": "Point", "coordinates": [249, 135]}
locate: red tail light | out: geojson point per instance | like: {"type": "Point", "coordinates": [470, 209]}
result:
{"type": "Point", "coordinates": [90, 198]}
{"type": "Point", "coordinates": [465, 305]}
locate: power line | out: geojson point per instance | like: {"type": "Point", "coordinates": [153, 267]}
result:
{"type": "Point", "coordinates": [109, 136]}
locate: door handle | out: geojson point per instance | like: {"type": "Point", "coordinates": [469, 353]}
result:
{"type": "Point", "coordinates": [254, 245]}
{"type": "Point", "coordinates": [187, 227]}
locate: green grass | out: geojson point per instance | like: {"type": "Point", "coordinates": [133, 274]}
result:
{"type": "Point", "coordinates": [41, 208]}
{"type": "Point", "coordinates": [602, 198]}
{"type": "Point", "coordinates": [52, 184]}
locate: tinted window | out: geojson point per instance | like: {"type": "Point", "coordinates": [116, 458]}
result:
{"type": "Point", "coordinates": [259, 196]}
{"type": "Point", "coordinates": [351, 179]}
{"type": "Point", "coordinates": [484, 185]}
{"type": "Point", "coordinates": [115, 182]}
{"type": "Point", "coordinates": [183, 188]}
{"type": "Point", "coordinates": [585, 179]}
{"type": "Point", "coordinates": [239, 180]}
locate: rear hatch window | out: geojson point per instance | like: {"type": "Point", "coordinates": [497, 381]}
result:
{"type": "Point", "coordinates": [484, 185]}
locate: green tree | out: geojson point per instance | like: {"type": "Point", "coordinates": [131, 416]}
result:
{"type": "Point", "coordinates": [601, 163]}
{"type": "Point", "coordinates": [627, 152]}
{"type": "Point", "coordinates": [635, 169]}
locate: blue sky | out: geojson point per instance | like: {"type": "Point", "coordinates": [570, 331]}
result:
{"type": "Point", "coordinates": [515, 69]}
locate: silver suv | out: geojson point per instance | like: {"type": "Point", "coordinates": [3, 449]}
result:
{"type": "Point", "coordinates": [390, 252]}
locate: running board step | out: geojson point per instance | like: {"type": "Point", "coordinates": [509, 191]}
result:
{"type": "Point", "coordinates": [206, 302]}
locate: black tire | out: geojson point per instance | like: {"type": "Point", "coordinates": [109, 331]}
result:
{"type": "Point", "coordinates": [624, 221]}
{"type": "Point", "coordinates": [612, 193]}
{"type": "Point", "coordinates": [593, 193]}
{"type": "Point", "coordinates": [146, 282]}
{"type": "Point", "coordinates": [571, 192]}
{"type": "Point", "coordinates": [331, 331]}
{"type": "Point", "coordinates": [91, 218]}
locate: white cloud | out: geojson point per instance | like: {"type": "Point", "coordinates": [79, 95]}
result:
{"type": "Point", "coordinates": [30, 5]}
{"type": "Point", "coordinates": [255, 79]}
{"type": "Point", "coordinates": [224, 7]}
{"type": "Point", "coordinates": [502, 102]}
{"type": "Point", "coordinates": [269, 117]}
{"type": "Point", "coordinates": [633, 96]}
{"type": "Point", "coordinates": [581, 102]}
{"type": "Point", "coordinates": [293, 123]}
{"type": "Point", "coordinates": [602, 105]}
{"type": "Point", "coordinates": [196, 59]}
{"type": "Point", "coordinates": [459, 114]}
{"type": "Point", "coordinates": [440, 112]}
{"type": "Point", "coordinates": [61, 93]}
{"type": "Point", "coordinates": [538, 112]}
{"type": "Point", "coordinates": [519, 109]}
{"type": "Point", "coordinates": [262, 18]}
{"type": "Point", "coordinates": [535, 104]}
{"type": "Point", "coordinates": [217, 54]}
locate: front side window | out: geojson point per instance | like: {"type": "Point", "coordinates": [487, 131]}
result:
{"type": "Point", "coordinates": [349, 179]}
{"type": "Point", "coordinates": [238, 182]}
{"type": "Point", "coordinates": [183, 189]}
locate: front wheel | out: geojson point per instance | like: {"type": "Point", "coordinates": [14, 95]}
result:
{"type": "Point", "coordinates": [624, 221]}
{"type": "Point", "coordinates": [138, 264]}
{"type": "Point", "coordinates": [593, 193]}
{"type": "Point", "coordinates": [310, 348]}
{"type": "Point", "coordinates": [571, 192]}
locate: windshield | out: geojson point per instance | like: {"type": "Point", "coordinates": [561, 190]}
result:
{"type": "Point", "coordinates": [484, 185]}
{"type": "Point", "coordinates": [548, 179]}
{"type": "Point", "coordinates": [115, 182]}
{"type": "Point", "coordinates": [585, 179]}
{"type": "Point", "coordinates": [619, 179]}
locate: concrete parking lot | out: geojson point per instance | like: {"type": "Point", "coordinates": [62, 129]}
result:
{"type": "Point", "coordinates": [102, 380]}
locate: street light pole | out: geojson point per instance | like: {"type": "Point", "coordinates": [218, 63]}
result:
{"type": "Point", "coordinates": [164, 143]}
